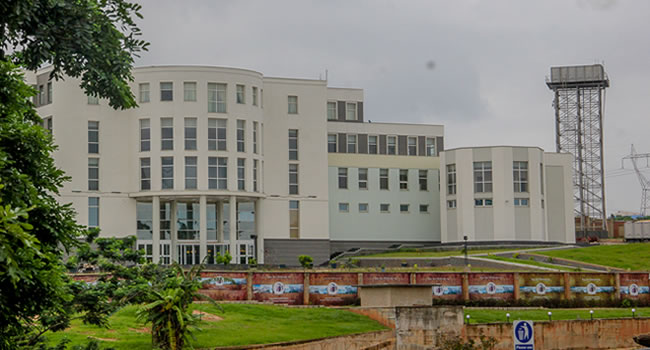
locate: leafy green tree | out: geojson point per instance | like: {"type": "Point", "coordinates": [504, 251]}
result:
{"type": "Point", "coordinates": [306, 261]}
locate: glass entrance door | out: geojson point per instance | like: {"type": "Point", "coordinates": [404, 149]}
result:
{"type": "Point", "coordinates": [189, 254]}
{"type": "Point", "coordinates": [245, 251]}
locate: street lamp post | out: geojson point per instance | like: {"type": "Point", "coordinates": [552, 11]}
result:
{"type": "Point", "coordinates": [465, 239]}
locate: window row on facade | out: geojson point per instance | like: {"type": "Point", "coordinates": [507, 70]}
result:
{"type": "Point", "coordinates": [488, 202]}
{"type": "Point", "coordinates": [483, 177]}
{"type": "Point", "coordinates": [43, 94]}
{"type": "Point", "coordinates": [217, 94]}
{"type": "Point", "coordinates": [382, 144]}
{"type": "Point", "coordinates": [350, 111]}
{"type": "Point", "coordinates": [384, 208]}
{"type": "Point", "coordinates": [383, 180]}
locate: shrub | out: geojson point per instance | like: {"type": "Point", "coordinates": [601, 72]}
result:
{"type": "Point", "coordinates": [306, 261]}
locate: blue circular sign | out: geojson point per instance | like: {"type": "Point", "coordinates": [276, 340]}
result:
{"type": "Point", "coordinates": [523, 332]}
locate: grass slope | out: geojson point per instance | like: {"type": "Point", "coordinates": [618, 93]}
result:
{"type": "Point", "coordinates": [412, 253]}
{"type": "Point", "coordinates": [529, 262]}
{"type": "Point", "coordinates": [633, 256]}
{"type": "Point", "coordinates": [499, 315]}
{"type": "Point", "coordinates": [241, 325]}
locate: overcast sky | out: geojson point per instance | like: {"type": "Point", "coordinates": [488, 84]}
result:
{"type": "Point", "coordinates": [490, 60]}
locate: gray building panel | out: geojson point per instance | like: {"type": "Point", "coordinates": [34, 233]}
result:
{"type": "Point", "coordinates": [422, 145]}
{"type": "Point", "coordinates": [287, 251]}
{"type": "Point", "coordinates": [341, 110]}
{"type": "Point", "coordinates": [522, 223]}
{"type": "Point", "coordinates": [554, 189]}
{"type": "Point", "coordinates": [343, 143]}
{"type": "Point", "coordinates": [342, 246]}
{"type": "Point", "coordinates": [362, 146]}
{"type": "Point", "coordinates": [382, 144]}
{"type": "Point", "coordinates": [401, 145]}
{"type": "Point", "coordinates": [440, 145]}
{"type": "Point", "coordinates": [360, 111]}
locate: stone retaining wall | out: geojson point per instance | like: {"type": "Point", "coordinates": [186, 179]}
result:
{"type": "Point", "coordinates": [382, 340]}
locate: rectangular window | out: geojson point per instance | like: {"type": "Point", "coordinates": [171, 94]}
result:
{"type": "Point", "coordinates": [391, 145]}
{"type": "Point", "coordinates": [145, 135]}
{"type": "Point", "coordinates": [93, 174]}
{"type": "Point", "coordinates": [166, 134]}
{"type": "Point", "coordinates": [190, 173]}
{"type": "Point", "coordinates": [331, 111]}
{"type": "Point", "coordinates": [521, 202]}
{"type": "Point", "coordinates": [189, 91]}
{"type": "Point", "coordinates": [423, 174]}
{"type": "Point", "coordinates": [293, 178]}
{"type": "Point", "coordinates": [363, 207]}
{"type": "Point", "coordinates": [93, 137]}
{"type": "Point", "coordinates": [93, 100]}
{"type": "Point", "coordinates": [145, 174]}
{"type": "Point", "coordinates": [383, 179]}
{"type": "Point", "coordinates": [293, 144]}
{"type": "Point", "coordinates": [255, 137]}
{"type": "Point", "coordinates": [167, 172]}
{"type": "Point", "coordinates": [431, 147]}
{"type": "Point", "coordinates": [48, 124]}
{"type": "Point", "coordinates": [293, 104]}
{"type": "Point", "coordinates": [241, 174]}
{"type": "Point", "coordinates": [384, 208]}
{"type": "Point", "coordinates": [190, 134]}
{"type": "Point", "coordinates": [451, 204]}
{"type": "Point", "coordinates": [404, 208]}
{"type": "Point", "coordinates": [412, 146]}
{"type": "Point", "coordinates": [166, 91]}
{"type": "Point", "coordinates": [241, 133]}
{"type": "Point", "coordinates": [372, 144]}
{"type": "Point", "coordinates": [294, 219]}
{"type": "Point", "coordinates": [482, 177]}
{"type": "Point", "coordinates": [363, 178]}
{"type": "Point", "coordinates": [403, 179]}
{"type": "Point", "coordinates": [217, 173]}
{"type": "Point", "coordinates": [188, 218]}
{"type": "Point", "coordinates": [343, 178]}
{"type": "Point", "coordinates": [350, 111]}
{"type": "Point", "coordinates": [541, 178]}
{"type": "Point", "coordinates": [331, 143]}
{"type": "Point", "coordinates": [254, 96]}
{"type": "Point", "coordinates": [241, 94]}
{"type": "Point", "coordinates": [344, 207]}
{"type": "Point", "coordinates": [254, 175]}
{"type": "Point", "coordinates": [41, 95]}
{"type": "Point", "coordinates": [93, 211]}
{"type": "Point", "coordinates": [424, 208]}
{"type": "Point", "coordinates": [483, 202]}
{"type": "Point", "coordinates": [352, 143]}
{"type": "Point", "coordinates": [144, 92]}
{"type": "Point", "coordinates": [520, 176]}
{"type": "Point", "coordinates": [49, 92]}
{"type": "Point", "coordinates": [216, 98]}
{"type": "Point", "coordinates": [217, 134]}
{"type": "Point", "coordinates": [451, 178]}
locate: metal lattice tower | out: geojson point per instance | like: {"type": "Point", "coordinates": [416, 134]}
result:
{"type": "Point", "coordinates": [579, 99]}
{"type": "Point", "coordinates": [645, 183]}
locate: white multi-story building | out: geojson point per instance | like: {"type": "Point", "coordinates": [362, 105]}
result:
{"type": "Point", "coordinates": [222, 159]}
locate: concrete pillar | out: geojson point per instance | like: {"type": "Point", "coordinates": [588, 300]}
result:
{"type": "Point", "coordinates": [249, 285]}
{"type": "Point", "coordinates": [259, 231]}
{"type": "Point", "coordinates": [232, 223]}
{"type": "Point", "coordinates": [617, 290]}
{"type": "Point", "coordinates": [515, 284]}
{"type": "Point", "coordinates": [172, 229]}
{"type": "Point", "coordinates": [305, 289]}
{"type": "Point", "coordinates": [465, 286]}
{"type": "Point", "coordinates": [220, 218]}
{"type": "Point", "coordinates": [567, 286]}
{"type": "Point", "coordinates": [203, 226]}
{"type": "Point", "coordinates": [155, 227]}
{"type": "Point", "coordinates": [412, 278]}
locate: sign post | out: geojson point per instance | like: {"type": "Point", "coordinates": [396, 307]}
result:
{"type": "Point", "coordinates": [524, 339]}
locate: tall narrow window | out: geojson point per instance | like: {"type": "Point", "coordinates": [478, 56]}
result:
{"type": "Point", "coordinates": [482, 177]}
{"type": "Point", "coordinates": [241, 174]}
{"type": "Point", "coordinates": [167, 172]}
{"type": "Point", "coordinates": [241, 94]}
{"type": "Point", "coordinates": [41, 95]}
{"type": "Point", "coordinates": [189, 91]}
{"type": "Point", "coordinates": [49, 92]}
{"type": "Point", "coordinates": [520, 176]}
{"type": "Point", "coordinates": [363, 178]}
{"type": "Point", "coordinates": [331, 143]}
{"type": "Point", "coordinates": [93, 137]}
{"type": "Point", "coordinates": [294, 219]}
{"type": "Point", "coordinates": [352, 143]}
{"type": "Point", "coordinates": [343, 178]}
{"type": "Point", "coordinates": [423, 174]}
{"type": "Point", "coordinates": [372, 144]}
{"type": "Point", "coordinates": [217, 134]}
{"type": "Point", "coordinates": [391, 145]}
{"type": "Point", "coordinates": [93, 211]}
{"type": "Point", "coordinates": [255, 137]}
{"type": "Point", "coordinates": [403, 179]}
{"type": "Point", "coordinates": [293, 178]}
{"type": "Point", "coordinates": [451, 178]}
{"type": "Point", "coordinates": [254, 96]}
{"type": "Point", "coordinates": [190, 173]}
{"type": "Point", "coordinates": [383, 179]}
{"type": "Point", "coordinates": [145, 135]}
{"type": "Point", "coordinates": [217, 173]}
{"type": "Point", "coordinates": [412, 146]}
{"type": "Point", "coordinates": [145, 174]}
{"type": "Point", "coordinates": [431, 147]}
{"type": "Point", "coordinates": [190, 134]}
{"type": "Point", "coordinates": [255, 175]}
{"type": "Point", "coordinates": [166, 134]}
{"type": "Point", "coordinates": [331, 111]}
{"type": "Point", "coordinates": [216, 98]}
{"type": "Point", "coordinates": [293, 144]}
{"type": "Point", "coordinates": [241, 132]}
{"type": "Point", "coordinates": [166, 91]}
{"type": "Point", "coordinates": [293, 105]}
{"type": "Point", "coordinates": [93, 174]}
{"type": "Point", "coordinates": [144, 92]}
{"type": "Point", "coordinates": [48, 124]}
{"type": "Point", "coordinates": [350, 111]}
{"type": "Point", "coordinates": [541, 177]}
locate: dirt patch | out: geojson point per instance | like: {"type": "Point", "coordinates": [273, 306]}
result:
{"type": "Point", "coordinates": [206, 316]}
{"type": "Point", "coordinates": [141, 330]}
{"type": "Point", "coordinates": [104, 339]}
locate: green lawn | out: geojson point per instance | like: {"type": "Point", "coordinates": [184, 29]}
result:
{"type": "Point", "coordinates": [530, 262]}
{"type": "Point", "coordinates": [494, 315]}
{"type": "Point", "coordinates": [242, 324]}
{"type": "Point", "coordinates": [413, 253]}
{"type": "Point", "coordinates": [633, 256]}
